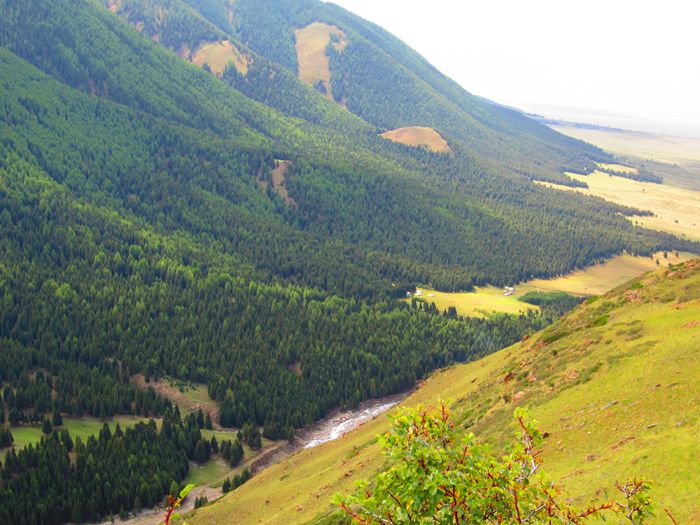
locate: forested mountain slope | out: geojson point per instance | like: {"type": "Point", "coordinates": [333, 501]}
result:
{"type": "Point", "coordinates": [177, 26]}
{"type": "Point", "coordinates": [171, 159]}
{"type": "Point", "coordinates": [147, 228]}
{"type": "Point", "coordinates": [379, 78]}
{"type": "Point", "coordinates": [379, 204]}
{"type": "Point", "coordinates": [613, 384]}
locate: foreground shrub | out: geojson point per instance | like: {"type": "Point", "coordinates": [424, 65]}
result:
{"type": "Point", "coordinates": [440, 476]}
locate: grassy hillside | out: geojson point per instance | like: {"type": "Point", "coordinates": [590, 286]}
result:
{"type": "Point", "coordinates": [614, 384]}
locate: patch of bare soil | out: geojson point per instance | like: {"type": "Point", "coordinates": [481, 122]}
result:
{"type": "Point", "coordinates": [418, 136]}
{"type": "Point", "coordinates": [277, 179]}
{"type": "Point", "coordinates": [165, 389]}
{"type": "Point", "coordinates": [311, 44]}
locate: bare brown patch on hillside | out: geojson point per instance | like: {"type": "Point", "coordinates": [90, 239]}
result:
{"type": "Point", "coordinates": [218, 55]}
{"type": "Point", "coordinates": [311, 43]}
{"type": "Point", "coordinates": [168, 391]}
{"type": "Point", "coordinates": [295, 368]}
{"type": "Point", "coordinates": [277, 179]}
{"type": "Point", "coordinates": [417, 136]}
{"type": "Point", "coordinates": [229, 10]}
{"type": "Point", "coordinates": [114, 5]}
{"type": "Point", "coordinates": [185, 52]}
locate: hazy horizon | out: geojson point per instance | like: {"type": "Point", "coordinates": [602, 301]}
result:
{"type": "Point", "coordinates": [624, 64]}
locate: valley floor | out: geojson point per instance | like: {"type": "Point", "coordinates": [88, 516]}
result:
{"type": "Point", "coordinates": [614, 384]}
{"type": "Point", "coordinates": [676, 158]}
{"type": "Point", "coordinates": [676, 210]}
{"type": "Point", "coordinates": [593, 280]}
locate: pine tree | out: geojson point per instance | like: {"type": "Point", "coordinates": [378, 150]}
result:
{"type": "Point", "coordinates": [226, 487]}
{"type": "Point", "coordinates": [200, 452]}
{"type": "Point", "coordinates": [66, 440]}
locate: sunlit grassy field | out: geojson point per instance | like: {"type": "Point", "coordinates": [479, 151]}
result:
{"type": "Point", "coordinates": [418, 136]}
{"type": "Point", "coordinates": [676, 210]}
{"type": "Point", "coordinates": [663, 148]}
{"type": "Point", "coordinates": [675, 158]}
{"type": "Point", "coordinates": [620, 168]}
{"type": "Point", "coordinates": [482, 302]}
{"type": "Point", "coordinates": [600, 278]}
{"type": "Point", "coordinates": [593, 280]}
{"type": "Point", "coordinates": [614, 384]}
{"type": "Point", "coordinates": [83, 428]}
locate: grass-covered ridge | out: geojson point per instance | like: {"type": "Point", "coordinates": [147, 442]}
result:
{"type": "Point", "coordinates": [614, 384]}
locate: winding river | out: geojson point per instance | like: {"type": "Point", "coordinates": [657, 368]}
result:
{"type": "Point", "coordinates": [332, 427]}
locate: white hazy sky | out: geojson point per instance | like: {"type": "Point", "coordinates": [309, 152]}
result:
{"type": "Point", "coordinates": [634, 58]}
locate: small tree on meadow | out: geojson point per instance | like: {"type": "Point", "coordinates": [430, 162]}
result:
{"type": "Point", "coordinates": [46, 427]}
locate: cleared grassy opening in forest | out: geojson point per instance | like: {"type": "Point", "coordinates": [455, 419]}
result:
{"type": "Point", "coordinates": [218, 55]}
{"type": "Point", "coordinates": [620, 168]}
{"type": "Point", "coordinates": [593, 280]}
{"type": "Point", "coordinates": [190, 397]}
{"type": "Point", "coordinates": [82, 428]}
{"type": "Point", "coordinates": [417, 136]}
{"type": "Point", "coordinates": [676, 159]}
{"type": "Point", "coordinates": [314, 65]}
{"type": "Point", "coordinates": [482, 302]}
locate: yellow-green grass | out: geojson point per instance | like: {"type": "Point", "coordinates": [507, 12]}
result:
{"type": "Point", "coordinates": [417, 136]}
{"type": "Point", "coordinates": [311, 43]}
{"type": "Point", "coordinates": [218, 55]}
{"type": "Point", "coordinates": [198, 394]}
{"type": "Point", "coordinates": [213, 473]}
{"type": "Point", "coordinates": [483, 301]}
{"type": "Point", "coordinates": [600, 278]}
{"type": "Point", "coordinates": [614, 384]}
{"type": "Point", "coordinates": [676, 159]}
{"type": "Point", "coordinates": [663, 148]}
{"type": "Point", "coordinates": [593, 280]}
{"type": "Point", "coordinates": [676, 210]}
{"type": "Point", "coordinates": [619, 168]}
{"type": "Point", "coordinates": [83, 428]}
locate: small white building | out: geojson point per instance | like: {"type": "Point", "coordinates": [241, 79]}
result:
{"type": "Point", "coordinates": [508, 291]}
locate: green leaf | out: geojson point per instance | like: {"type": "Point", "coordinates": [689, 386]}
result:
{"type": "Point", "coordinates": [184, 492]}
